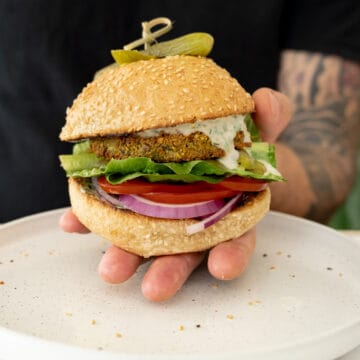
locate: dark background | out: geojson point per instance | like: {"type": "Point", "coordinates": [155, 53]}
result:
{"type": "Point", "coordinates": [49, 50]}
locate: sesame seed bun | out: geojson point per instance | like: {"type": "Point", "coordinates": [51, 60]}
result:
{"type": "Point", "coordinates": [152, 94]}
{"type": "Point", "coordinates": [147, 236]}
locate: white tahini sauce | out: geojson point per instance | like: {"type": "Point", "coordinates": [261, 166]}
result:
{"type": "Point", "coordinates": [269, 169]}
{"type": "Point", "coordinates": [221, 132]}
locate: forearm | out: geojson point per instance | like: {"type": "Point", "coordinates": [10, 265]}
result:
{"type": "Point", "coordinates": [317, 152]}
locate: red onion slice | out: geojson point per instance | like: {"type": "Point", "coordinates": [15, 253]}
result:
{"type": "Point", "coordinates": [104, 195]}
{"type": "Point", "coordinates": [170, 211]}
{"type": "Point", "coordinates": [214, 218]}
{"type": "Point", "coordinates": [214, 210]}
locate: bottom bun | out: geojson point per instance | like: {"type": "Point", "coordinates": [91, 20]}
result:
{"type": "Point", "coordinates": [147, 236]}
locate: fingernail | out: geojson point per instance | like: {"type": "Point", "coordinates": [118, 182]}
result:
{"type": "Point", "coordinates": [275, 105]}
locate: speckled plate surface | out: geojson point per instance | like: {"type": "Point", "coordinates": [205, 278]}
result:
{"type": "Point", "coordinates": [299, 299]}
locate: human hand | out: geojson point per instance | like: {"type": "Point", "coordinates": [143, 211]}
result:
{"type": "Point", "coordinates": [226, 261]}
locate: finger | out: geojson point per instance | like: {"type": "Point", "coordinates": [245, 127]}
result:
{"type": "Point", "coordinates": [167, 274]}
{"type": "Point", "coordinates": [117, 265]}
{"type": "Point", "coordinates": [273, 111]}
{"type": "Point", "coordinates": [70, 223]}
{"type": "Point", "coordinates": [229, 259]}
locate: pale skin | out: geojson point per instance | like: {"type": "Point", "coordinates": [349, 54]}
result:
{"type": "Point", "coordinates": [318, 93]}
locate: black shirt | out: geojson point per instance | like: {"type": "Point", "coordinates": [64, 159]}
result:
{"type": "Point", "coordinates": [50, 49]}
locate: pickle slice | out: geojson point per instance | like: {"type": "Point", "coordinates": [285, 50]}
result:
{"type": "Point", "coordinates": [246, 160]}
{"type": "Point", "coordinates": [196, 44]}
{"type": "Point", "coordinates": [249, 163]}
{"type": "Point", "coordinates": [259, 168]}
{"type": "Point", "coordinates": [127, 56]}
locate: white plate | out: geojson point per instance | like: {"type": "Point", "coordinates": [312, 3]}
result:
{"type": "Point", "coordinates": [299, 299]}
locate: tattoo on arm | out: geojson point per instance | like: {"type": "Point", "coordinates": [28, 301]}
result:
{"type": "Point", "coordinates": [325, 129]}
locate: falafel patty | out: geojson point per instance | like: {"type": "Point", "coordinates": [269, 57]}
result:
{"type": "Point", "coordinates": [162, 148]}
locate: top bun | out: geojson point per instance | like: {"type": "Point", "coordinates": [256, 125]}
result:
{"type": "Point", "coordinates": [154, 93]}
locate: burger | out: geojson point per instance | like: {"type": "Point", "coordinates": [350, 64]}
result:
{"type": "Point", "coordinates": [166, 157]}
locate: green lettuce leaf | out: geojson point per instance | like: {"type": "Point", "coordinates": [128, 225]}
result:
{"type": "Point", "coordinates": [82, 147]}
{"type": "Point", "coordinates": [253, 130]}
{"type": "Point", "coordinates": [263, 151]}
{"type": "Point", "coordinates": [118, 171]}
{"type": "Point", "coordinates": [83, 165]}
{"type": "Point", "coordinates": [257, 161]}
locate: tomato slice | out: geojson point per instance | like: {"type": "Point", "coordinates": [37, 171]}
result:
{"type": "Point", "coordinates": [183, 193]}
{"type": "Point", "coordinates": [238, 183]}
{"type": "Point", "coordinates": [140, 186]}
{"type": "Point", "coordinates": [188, 198]}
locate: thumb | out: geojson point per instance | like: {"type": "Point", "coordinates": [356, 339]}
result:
{"type": "Point", "coordinates": [273, 111]}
